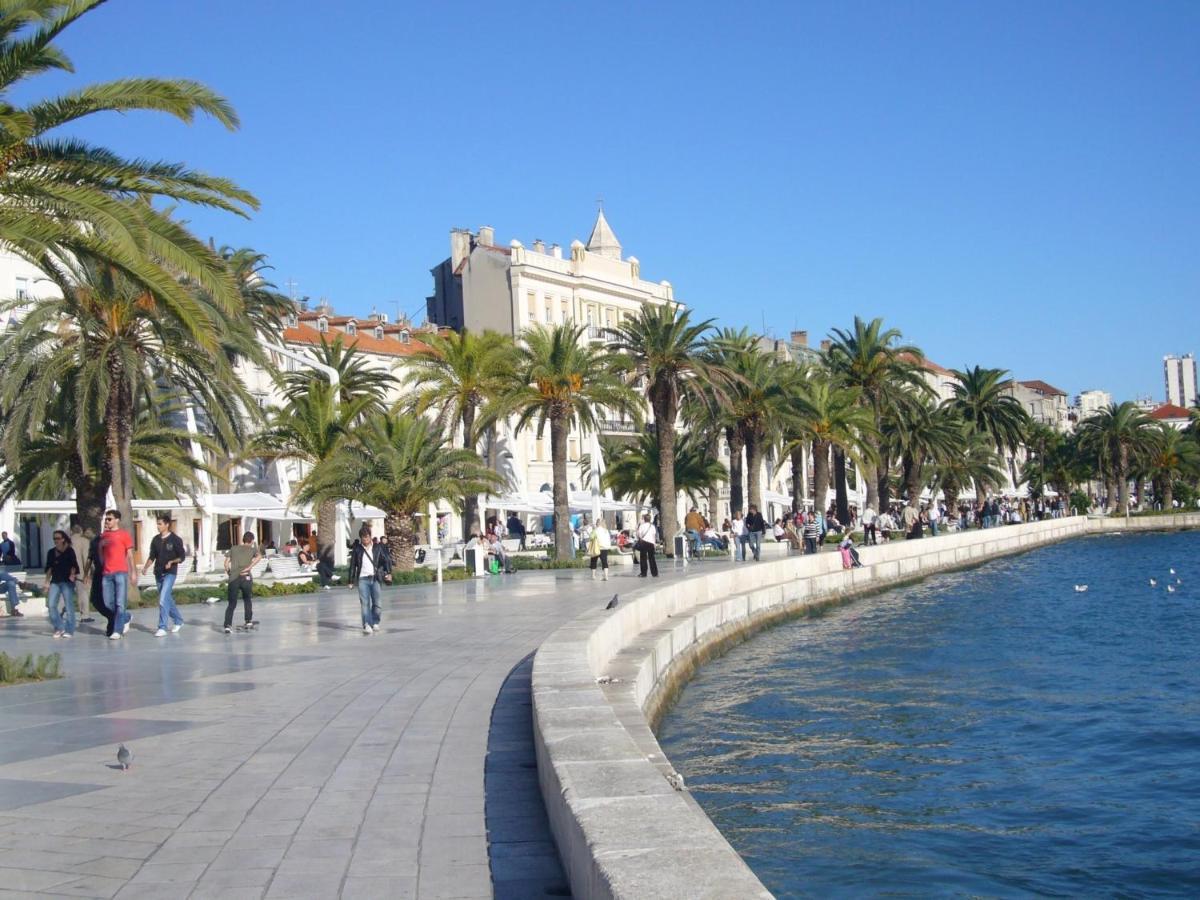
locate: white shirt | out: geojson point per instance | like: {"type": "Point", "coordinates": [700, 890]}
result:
{"type": "Point", "coordinates": [647, 532]}
{"type": "Point", "coordinates": [739, 526]}
{"type": "Point", "coordinates": [868, 516]}
{"type": "Point", "coordinates": [368, 567]}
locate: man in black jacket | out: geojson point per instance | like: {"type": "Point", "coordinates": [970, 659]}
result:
{"type": "Point", "coordinates": [370, 568]}
{"type": "Point", "coordinates": [756, 526]}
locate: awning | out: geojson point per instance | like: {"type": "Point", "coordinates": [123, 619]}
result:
{"type": "Point", "coordinates": [776, 497]}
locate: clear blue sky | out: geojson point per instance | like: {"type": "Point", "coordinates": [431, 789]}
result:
{"type": "Point", "coordinates": [1011, 184]}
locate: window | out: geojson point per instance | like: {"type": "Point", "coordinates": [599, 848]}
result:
{"type": "Point", "coordinates": [323, 325]}
{"type": "Point", "coordinates": [379, 332]}
{"type": "Point", "coordinates": [351, 328]}
{"type": "Point", "coordinates": [531, 305]}
{"type": "Point", "coordinates": [293, 320]}
{"type": "Point", "coordinates": [549, 311]}
{"type": "Point", "coordinates": [22, 289]}
{"type": "Point", "coordinates": [405, 338]}
{"type": "Point", "coordinates": [566, 311]}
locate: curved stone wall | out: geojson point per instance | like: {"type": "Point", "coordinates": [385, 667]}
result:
{"type": "Point", "coordinates": [623, 821]}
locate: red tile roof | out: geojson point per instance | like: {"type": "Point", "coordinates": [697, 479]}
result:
{"type": "Point", "coordinates": [925, 363]}
{"type": "Point", "coordinates": [367, 343]}
{"type": "Point", "coordinates": [1170, 411]}
{"type": "Point", "coordinates": [1042, 388]}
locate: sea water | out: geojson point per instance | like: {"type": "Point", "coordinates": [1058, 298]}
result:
{"type": "Point", "coordinates": [990, 732]}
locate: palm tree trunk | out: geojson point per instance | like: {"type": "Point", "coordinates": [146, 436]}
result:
{"type": "Point", "coordinates": [798, 477]}
{"type": "Point", "coordinates": [714, 490]}
{"type": "Point", "coordinates": [840, 492]}
{"type": "Point", "coordinates": [118, 428]}
{"type": "Point", "coordinates": [401, 533]}
{"type": "Point", "coordinates": [734, 438]}
{"type": "Point", "coordinates": [820, 455]}
{"type": "Point", "coordinates": [1123, 482]}
{"type": "Point", "coordinates": [90, 496]}
{"type": "Point", "coordinates": [912, 480]}
{"type": "Point", "coordinates": [1168, 493]}
{"type": "Point", "coordinates": [883, 487]}
{"type": "Point", "coordinates": [326, 530]}
{"type": "Point", "coordinates": [664, 429]}
{"type": "Point", "coordinates": [470, 519]}
{"type": "Point", "coordinates": [562, 514]}
{"type": "Point", "coordinates": [754, 463]}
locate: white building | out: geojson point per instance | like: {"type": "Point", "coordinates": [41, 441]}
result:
{"type": "Point", "coordinates": [1088, 402]}
{"type": "Point", "coordinates": [1179, 373]}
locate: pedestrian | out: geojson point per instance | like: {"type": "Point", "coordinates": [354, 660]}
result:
{"type": "Point", "coordinates": [166, 553]}
{"type": "Point", "coordinates": [517, 529]}
{"type": "Point", "coordinates": [117, 579]}
{"type": "Point", "coordinates": [647, 537]}
{"type": "Point", "coordinates": [870, 536]}
{"type": "Point", "coordinates": [738, 529]}
{"type": "Point", "coordinates": [756, 527]}
{"type": "Point", "coordinates": [238, 565]}
{"type": "Point", "coordinates": [8, 551]}
{"type": "Point", "coordinates": [62, 568]}
{"type": "Point", "coordinates": [811, 532]}
{"type": "Point", "coordinates": [599, 544]}
{"type": "Point", "coordinates": [370, 569]}
{"type": "Point", "coordinates": [12, 588]}
{"type": "Point", "coordinates": [92, 572]}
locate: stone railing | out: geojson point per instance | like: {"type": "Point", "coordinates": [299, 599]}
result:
{"type": "Point", "coordinates": [623, 821]}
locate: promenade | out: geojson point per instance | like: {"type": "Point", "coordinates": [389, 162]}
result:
{"type": "Point", "coordinates": [302, 760]}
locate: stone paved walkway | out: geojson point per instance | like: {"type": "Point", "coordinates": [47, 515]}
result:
{"type": "Point", "coordinates": [302, 760]}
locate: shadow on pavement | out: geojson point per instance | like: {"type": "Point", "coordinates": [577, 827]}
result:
{"type": "Point", "coordinates": [521, 851]}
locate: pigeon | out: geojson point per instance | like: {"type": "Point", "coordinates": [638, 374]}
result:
{"type": "Point", "coordinates": [1080, 588]}
{"type": "Point", "coordinates": [612, 604]}
{"type": "Point", "coordinates": [1153, 582]}
{"type": "Point", "coordinates": [124, 757]}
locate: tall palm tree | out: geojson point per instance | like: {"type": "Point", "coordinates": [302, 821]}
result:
{"type": "Point", "coordinates": [310, 428]}
{"type": "Point", "coordinates": [632, 468]}
{"type": "Point", "coordinates": [756, 407]}
{"type": "Point", "coordinates": [824, 415]}
{"type": "Point", "coordinates": [558, 383]}
{"type": "Point", "coordinates": [869, 358]}
{"type": "Point", "coordinates": [400, 464]}
{"type": "Point", "coordinates": [668, 350]}
{"type": "Point", "coordinates": [1116, 435]}
{"type": "Point", "coordinates": [920, 433]}
{"type": "Point", "coordinates": [357, 377]}
{"type": "Point", "coordinates": [456, 376]}
{"type": "Point", "coordinates": [1170, 458]}
{"type": "Point", "coordinates": [981, 399]}
{"type": "Point", "coordinates": [62, 198]}
{"type": "Point", "coordinates": [977, 464]}
{"type": "Point", "coordinates": [125, 341]}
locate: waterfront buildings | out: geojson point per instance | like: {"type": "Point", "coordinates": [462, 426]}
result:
{"type": "Point", "coordinates": [1088, 402]}
{"type": "Point", "coordinates": [1179, 373]}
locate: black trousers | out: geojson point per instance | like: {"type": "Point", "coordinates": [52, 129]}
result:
{"type": "Point", "coordinates": [646, 549]}
{"type": "Point", "coordinates": [324, 572]}
{"type": "Point", "coordinates": [239, 587]}
{"type": "Point", "coordinates": [603, 557]}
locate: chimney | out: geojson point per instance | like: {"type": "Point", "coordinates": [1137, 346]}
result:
{"type": "Point", "coordinates": [556, 251]}
{"type": "Point", "coordinates": [487, 235]}
{"type": "Point", "coordinates": [825, 345]}
{"type": "Point", "coordinates": [539, 246]}
{"type": "Point", "coordinates": [800, 338]}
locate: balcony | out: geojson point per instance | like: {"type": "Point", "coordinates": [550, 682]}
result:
{"type": "Point", "coordinates": [616, 426]}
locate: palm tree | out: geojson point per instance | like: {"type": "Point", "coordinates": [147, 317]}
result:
{"type": "Point", "coordinates": [919, 433]}
{"type": "Point", "coordinates": [456, 376]}
{"type": "Point", "coordinates": [125, 342]}
{"type": "Point", "coordinates": [1171, 457]}
{"type": "Point", "coordinates": [981, 400]}
{"type": "Point", "coordinates": [61, 198]}
{"type": "Point", "coordinates": [400, 464]}
{"type": "Point", "coordinates": [824, 415]}
{"type": "Point", "coordinates": [869, 358]}
{"type": "Point", "coordinates": [632, 468]}
{"type": "Point", "coordinates": [667, 350]}
{"type": "Point", "coordinates": [756, 408]}
{"type": "Point", "coordinates": [310, 428]}
{"type": "Point", "coordinates": [357, 378]}
{"type": "Point", "coordinates": [1116, 434]}
{"type": "Point", "coordinates": [561, 383]}
{"type": "Point", "coordinates": [978, 463]}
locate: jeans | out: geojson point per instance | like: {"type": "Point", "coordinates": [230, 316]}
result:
{"type": "Point", "coordinates": [933, 528]}
{"type": "Point", "coordinates": [696, 541]}
{"type": "Point", "coordinates": [739, 542]}
{"type": "Point", "coordinates": [166, 600]}
{"type": "Point", "coordinates": [368, 596]}
{"type": "Point", "coordinates": [14, 596]}
{"type": "Point", "coordinates": [243, 587]}
{"type": "Point", "coordinates": [61, 591]}
{"type": "Point", "coordinates": [754, 539]}
{"type": "Point", "coordinates": [115, 590]}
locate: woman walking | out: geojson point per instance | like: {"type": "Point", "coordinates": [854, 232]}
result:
{"type": "Point", "coordinates": [62, 568]}
{"type": "Point", "coordinates": [599, 544]}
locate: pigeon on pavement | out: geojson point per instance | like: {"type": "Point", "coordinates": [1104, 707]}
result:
{"type": "Point", "coordinates": [612, 604]}
{"type": "Point", "coordinates": [124, 757]}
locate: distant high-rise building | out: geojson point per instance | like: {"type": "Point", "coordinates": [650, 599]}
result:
{"type": "Point", "coordinates": [1089, 402]}
{"type": "Point", "coordinates": [1180, 375]}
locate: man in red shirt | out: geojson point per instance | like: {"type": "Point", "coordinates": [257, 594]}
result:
{"type": "Point", "coordinates": [116, 564]}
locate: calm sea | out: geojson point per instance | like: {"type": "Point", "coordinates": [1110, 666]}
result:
{"type": "Point", "coordinates": [984, 733]}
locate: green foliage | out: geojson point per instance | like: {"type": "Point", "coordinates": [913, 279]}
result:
{"type": "Point", "coordinates": [16, 669]}
{"type": "Point", "coordinates": [1080, 502]}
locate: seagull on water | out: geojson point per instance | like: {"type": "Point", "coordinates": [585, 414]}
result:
{"type": "Point", "coordinates": [1170, 588]}
{"type": "Point", "coordinates": [1153, 582]}
{"type": "Point", "coordinates": [1172, 571]}
{"type": "Point", "coordinates": [1080, 588]}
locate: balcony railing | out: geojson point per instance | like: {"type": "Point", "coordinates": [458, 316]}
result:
{"type": "Point", "coordinates": [618, 426]}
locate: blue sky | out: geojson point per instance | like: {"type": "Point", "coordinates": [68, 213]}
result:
{"type": "Point", "coordinates": [1010, 184]}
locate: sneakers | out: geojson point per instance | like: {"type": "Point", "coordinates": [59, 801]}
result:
{"type": "Point", "coordinates": [128, 625]}
{"type": "Point", "coordinates": [606, 574]}
{"type": "Point", "coordinates": [229, 629]}
{"type": "Point", "coordinates": [57, 635]}
{"type": "Point", "coordinates": [176, 627]}
{"type": "Point", "coordinates": [327, 588]}
{"type": "Point", "coordinates": [162, 632]}
{"type": "Point", "coordinates": [593, 574]}
{"type": "Point", "coordinates": [115, 636]}
{"type": "Point", "coordinates": [67, 634]}
{"type": "Point", "coordinates": [16, 612]}
{"type": "Point", "coordinates": [375, 627]}
{"type": "Point", "coordinates": [368, 630]}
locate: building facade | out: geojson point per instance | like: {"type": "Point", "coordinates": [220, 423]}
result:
{"type": "Point", "coordinates": [1179, 374]}
{"type": "Point", "coordinates": [1089, 402]}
